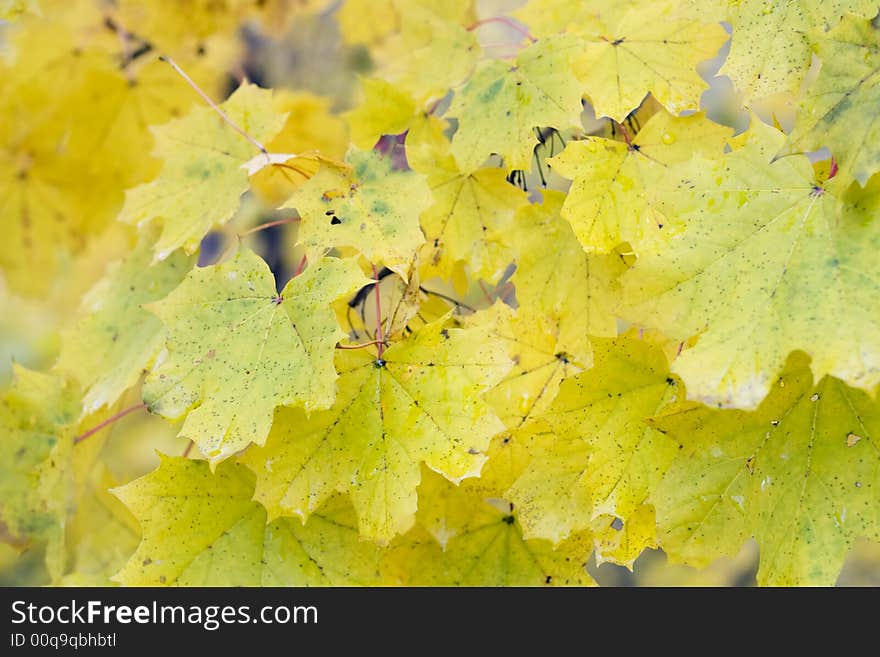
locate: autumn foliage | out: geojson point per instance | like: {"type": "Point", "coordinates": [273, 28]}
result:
{"type": "Point", "coordinates": [520, 299]}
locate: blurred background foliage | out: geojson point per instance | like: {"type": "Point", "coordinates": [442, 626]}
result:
{"type": "Point", "coordinates": [313, 50]}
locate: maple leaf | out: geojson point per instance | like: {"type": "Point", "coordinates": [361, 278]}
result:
{"type": "Point", "coordinates": [169, 25]}
{"type": "Point", "coordinates": [101, 534]}
{"type": "Point", "coordinates": [38, 415]}
{"type": "Point", "coordinates": [501, 104]}
{"type": "Point", "coordinates": [462, 540]}
{"type": "Point", "coordinates": [384, 19]}
{"type": "Point", "coordinates": [564, 296]}
{"type": "Point", "coordinates": [546, 18]}
{"type": "Point", "coordinates": [429, 54]}
{"type": "Point", "coordinates": [799, 474]}
{"type": "Point", "coordinates": [614, 184]}
{"type": "Point", "coordinates": [76, 133]}
{"type": "Point", "coordinates": [223, 539]}
{"type": "Point", "coordinates": [202, 176]}
{"type": "Point", "coordinates": [114, 339]}
{"type": "Point", "coordinates": [838, 109]}
{"type": "Point", "coordinates": [13, 9]}
{"type": "Point", "coordinates": [373, 208]}
{"type": "Point", "coordinates": [311, 136]}
{"type": "Point", "coordinates": [621, 543]}
{"type": "Point", "coordinates": [769, 261]}
{"type": "Point", "coordinates": [471, 216]}
{"type": "Point", "coordinates": [420, 402]}
{"type": "Point", "coordinates": [383, 110]}
{"type": "Point", "coordinates": [770, 48]}
{"type": "Point", "coordinates": [650, 48]}
{"type": "Point", "coordinates": [591, 453]}
{"type": "Point", "coordinates": [236, 348]}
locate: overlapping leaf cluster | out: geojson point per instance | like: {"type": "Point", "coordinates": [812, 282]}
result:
{"type": "Point", "coordinates": [491, 360]}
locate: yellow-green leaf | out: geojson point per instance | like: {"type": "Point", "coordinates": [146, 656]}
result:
{"type": "Point", "coordinates": [770, 46]}
{"type": "Point", "coordinates": [839, 109]}
{"type": "Point", "coordinates": [421, 402]}
{"type": "Point", "coordinates": [650, 48]}
{"type": "Point", "coordinates": [221, 537]}
{"type": "Point", "coordinates": [564, 296]}
{"type": "Point", "coordinates": [114, 339]}
{"type": "Point", "coordinates": [236, 348]}
{"type": "Point", "coordinates": [429, 55]}
{"type": "Point", "coordinates": [384, 110]}
{"type": "Point", "coordinates": [502, 103]}
{"type": "Point", "coordinates": [202, 176]}
{"type": "Point", "coordinates": [613, 196]}
{"type": "Point", "coordinates": [790, 474]}
{"type": "Point", "coordinates": [37, 416]}
{"type": "Point", "coordinates": [770, 261]}
{"type": "Point", "coordinates": [470, 219]}
{"type": "Point", "coordinates": [374, 208]}
{"type": "Point", "coordinates": [462, 540]}
{"type": "Point", "coordinates": [594, 454]}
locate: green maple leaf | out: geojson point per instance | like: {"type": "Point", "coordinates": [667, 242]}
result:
{"type": "Point", "coordinates": [221, 537]}
{"type": "Point", "coordinates": [203, 176]}
{"type": "Point", "coordinates": [502, 103]}
{"type": "Point", "coordinates": [799, 474]}
{"type": "Point", "coordinates": [770, 261]}
{"type": "Point", "coordinates": [373, 208]}
{"type": "Point", "coordinates": [770, 48]}
{"type": "Point", "coordinates": [114, 339]}
{"type": "Point", "coordinates": [839, 109]}
{"type": "Point", "coordinates": [420, 403]}
{"type": "Point", "coordinates": [38, 416]}
{"type": "Point", "coordinates": [236, 348]}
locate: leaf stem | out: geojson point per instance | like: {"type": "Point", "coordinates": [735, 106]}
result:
{"type": "Point", "coordinates": [212, 104]}
{"type": "Point", "coordinates": [360, 346]}
{"type": "Point", "coordinates": [505, 20]}
{"type": "Point", "coordinates": [110, 420]}
{"type": "Point", "coordinates": [380, 335]}
{"type": "Point", "coordinates": [271, 224]}
{"type": "Point", "coordinates": [300, 266]}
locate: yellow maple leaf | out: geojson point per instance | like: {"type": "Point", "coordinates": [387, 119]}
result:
{"type": "Point", "coordinates": [419, 402]}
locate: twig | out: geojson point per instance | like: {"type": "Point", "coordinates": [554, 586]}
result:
{"type": "Point", "coordinates": [212, 104]}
